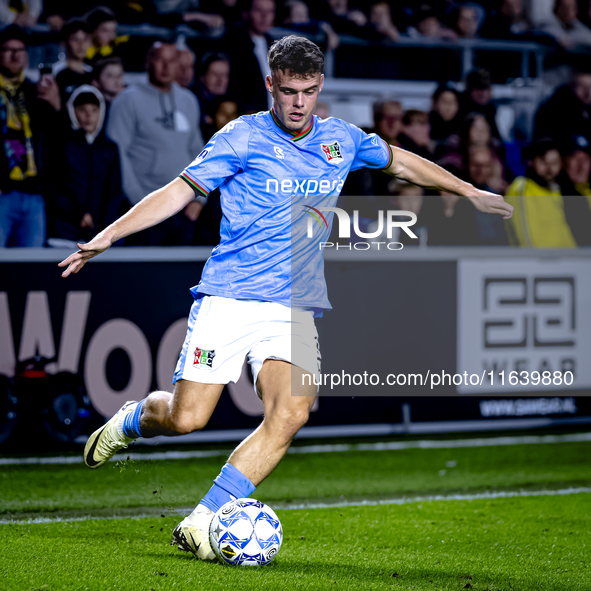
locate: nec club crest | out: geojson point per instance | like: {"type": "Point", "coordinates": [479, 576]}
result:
{"type": "Point", "coordinates": [203, 359]}
{"type": "Point", "coordinates": [332, 152]}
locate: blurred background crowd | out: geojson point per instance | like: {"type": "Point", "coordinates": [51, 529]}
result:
{"type": "Point", "coordinates": [102, 104]}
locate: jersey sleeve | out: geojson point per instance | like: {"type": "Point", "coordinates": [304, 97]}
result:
{"type": "Point", "coordinates": [223, 156]}
{"type": "Point", "coordinates": [371, 150]}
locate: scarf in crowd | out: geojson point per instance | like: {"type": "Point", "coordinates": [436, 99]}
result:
{"type": "Point", "coordinates": [15, 122]}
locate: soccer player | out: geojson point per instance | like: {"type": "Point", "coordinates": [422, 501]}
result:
{"type": "Point", "coordinates": [267, 166]}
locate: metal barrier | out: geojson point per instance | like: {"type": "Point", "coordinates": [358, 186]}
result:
{"type": "Point", "coordinates": [530, 64]}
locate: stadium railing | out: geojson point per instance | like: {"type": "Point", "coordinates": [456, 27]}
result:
{"type": "Point", "coordinates": [408, 58]}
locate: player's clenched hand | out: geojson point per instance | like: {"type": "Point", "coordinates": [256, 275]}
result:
{"type": "Point", "coordinates": [491, 203]}
{"type": "Point", "coordinates": [76, 261]}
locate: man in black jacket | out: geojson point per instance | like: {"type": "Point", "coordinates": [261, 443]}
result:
{"type": "Point", "coordinates": [28, 118]}
{"type": "Point", "coordinates": [478, 98]}
{"type": "Point", "coordinates": [247, 48]}
{"type": "Point", "coordinates": [567, 112]}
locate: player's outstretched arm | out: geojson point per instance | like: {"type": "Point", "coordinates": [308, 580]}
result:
{"type": "Point", "coordinates": [414, 169]}
{"type": "Point", "coordinates": [151, 210]}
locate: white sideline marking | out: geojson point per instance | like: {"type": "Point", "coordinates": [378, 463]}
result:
{"type": "Point", "coordinates": [338, 504]}
{"type": "Point", "coordinates": [325, 448]}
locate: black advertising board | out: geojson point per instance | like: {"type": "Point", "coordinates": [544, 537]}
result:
{"type": "Point", "coordinates": [120, 324]}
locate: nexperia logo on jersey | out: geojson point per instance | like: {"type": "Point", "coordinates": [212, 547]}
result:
{"type": "Point", "coordinates": [304, 186]}
{"type": "Point", "coordinates": [332, 152]}
{"type": "Point", "coordinates": [203, 359]}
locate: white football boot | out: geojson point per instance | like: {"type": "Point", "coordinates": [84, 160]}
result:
{"type": "Point", "coordinates": [192, 534]}
{"type": "Point", "coordinates": [106, 441]}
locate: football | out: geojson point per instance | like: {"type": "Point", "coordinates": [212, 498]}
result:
{"type": "Point", "coordinates": [245, 532]}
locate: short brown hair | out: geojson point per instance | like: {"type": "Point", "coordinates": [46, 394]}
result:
{"type": "Point", "coordinates": [297, 56]}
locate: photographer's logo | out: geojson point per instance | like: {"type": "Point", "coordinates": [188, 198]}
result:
{"type": "Point", "coordinates": [386, 223]}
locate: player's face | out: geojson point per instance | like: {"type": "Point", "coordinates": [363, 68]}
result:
{"type": "Point", "coordinates": [294, 98]}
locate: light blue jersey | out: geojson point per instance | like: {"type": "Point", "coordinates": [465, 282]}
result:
{"type": "Point", "coordinates": [269, 180]}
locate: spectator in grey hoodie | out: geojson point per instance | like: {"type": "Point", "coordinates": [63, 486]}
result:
{"type": "Point", "coordinates": [156, 127]}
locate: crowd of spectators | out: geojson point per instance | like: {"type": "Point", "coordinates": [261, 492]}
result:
{"type": "Point", "coordinates": [548, 184]}
{"type": "Point", "coordinates": [565, 22]}
{"type": "Point", "coordinates": [81, 147]}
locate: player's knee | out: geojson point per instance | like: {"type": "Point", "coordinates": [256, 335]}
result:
{"type": "Point", "coordinates": [288, 423]}
{"type": "Point", "coordinates": [184, 423]}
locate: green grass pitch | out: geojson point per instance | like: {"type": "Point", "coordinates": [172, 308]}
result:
{"type": "Point", "coordinates": [515, 543]}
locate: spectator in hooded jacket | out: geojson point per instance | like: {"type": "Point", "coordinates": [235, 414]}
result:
{"type": "Point", "coordinates": [85, 187]}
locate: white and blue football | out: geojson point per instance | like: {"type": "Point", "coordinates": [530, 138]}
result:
{"type": "Point", "coordinates": [245, 532]}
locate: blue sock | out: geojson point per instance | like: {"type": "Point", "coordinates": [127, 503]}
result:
{"type": "Point", "coordinates": [230, 484]}
{"type": "Point", "coordinates": [131, 424]}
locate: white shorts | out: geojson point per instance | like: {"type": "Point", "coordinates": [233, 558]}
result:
{"type": "Point", "coordinates": [223, 332]}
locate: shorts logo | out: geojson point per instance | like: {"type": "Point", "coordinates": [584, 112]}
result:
{"type": "Point", "coordinates": [332, 152]}
{"type": "Point", "coordinates": [203, 358]}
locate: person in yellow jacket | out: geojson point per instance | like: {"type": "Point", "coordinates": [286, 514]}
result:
{"type": "Point", "coordinates": [539, 219]}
